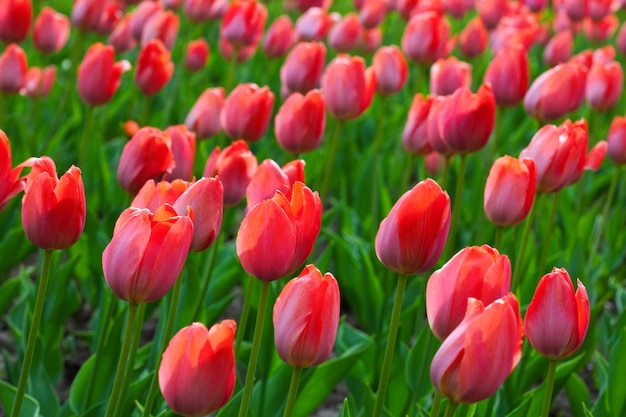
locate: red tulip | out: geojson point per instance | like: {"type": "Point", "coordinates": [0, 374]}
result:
{"type": "Point", "coordinates": [306, 317]}
{"type": "Point", "coordinates": [39, 81]}
{"type": "Point", "coordinates": [184, 151]}
{"type": "Point", "coordinates": [243, 23]}
{"type": "Point", "coordinates": [604, 85]}
{"type": "Point", "coordinates": [520, 28]}
{"type": "Point", "coordinates": [197, 55]}
{"type": "Point", "coordinates": [412, 236]}
{"type": "Point", "coordinates": [51, 31]}
{"type": "Point", "coordinates": [227, 50]}
{"type": "Point", "coordinates": [269, 177]}
{"type": "Point", "coordinates": [478, 356]}
{"type": "Point", "coordinates": [300, 122]}
{"type": "Point", "coordinates": [535, 5]}
{"type": "Point", "coordinates": [147, 155]}
{"type": "Point", "coordinates": [557, 319]}
{"type": "Point", "coordinates": [277, 235]}
{"type": "Point", "coordinates": [111, 14]}
{"type": "Point", "coordinates": [433, 132]}
{"type": "Point", "coordinates": [99, 76]}
{"type": "Point", "coordinates": [559, 48]}
{"type": "Point", "coordinates": [197, 371]}
{"type": "Point", "coordinates": [235, 166]}
{"type": "Point", "coordinates": [457, 8]}
{"type": "Point", "coordinates": [162, 25]}
{"type": "Point", "coordinates": [314, 24]}
{"type": "Point", "coordinates": [204, 10]}
{"type": "Point", "coordinates": [479, 272]}
{"type": "Point", "coordinates": [13, 65]}
{"type": "Point", "coordinates": [601, 30]}
{"type": "Point", "coordinates": [280, 37]}
{"type": "Point", "coordinates": [304, 5]}
{"type": "Point", "coordinates": [247, 111]}
{"type": "Point", "coordinates": [491, 11]}
{"type": "Point", "coordinates": [303, 67]}
{"type": "Point", "coordinates": [10, 182]}
{"type": "Point", "coordinates": [345, 34]}
{"type": "Point", "coordinates": [86, 14]}
{"type": "Point", "coordinates": [510, 190]}
{"type": "Point", "coordinates": [556, 92]}
{"type": "Point", "coordinates": [154, 194]}
{"type": "Point", "coordinates": [372, 13]}
{"type": "Point", "coordinates": [140, 16]}
{"type": "Point", "coordinates": [415, 134]}
{"type": "Point", "coordinates": [15, 17]}
{"type": "Point", "coordinates": [425, 38]}
{"type": "Point", "coordinates": [53, 208]}
{"type": "Point", "coordinates": [508, 73]}
{"type": "Point", "coordinates": [604, 55]}
{"type": "Point", "coordinates": [473, 38]}
{"type": "Point", "coordinates": [370, 41]}
{"type": "Point", "coordinates": [391, 70]}
{"type": "Point", "coordinates": [147, 253]}
{"type": "Point", "coordinates": [449, 74]}
{"type": "Point", "coordinates": [204, 116]}
{"type": "Point", "coordinates": [154, 67]}
{"type": "Point", "coordinates": [617, 140]}
{"type": "Point", "coordinates": [576, 9]}
{"type": "Point", "coordinates": [121, 37]}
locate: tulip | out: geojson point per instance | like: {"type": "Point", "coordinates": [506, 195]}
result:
{"type": "Point", "coordinates": [372, 13]}
{"type": "Point", "coordinates": [559, 154]}
{"type": "Point", "coordinates": [434, 163]}
{"type": "Point", "coordinates": [121, 37]}
{"type": "Point", "coordinates": [556, 92]}
{"type": "Point", "coordinates": [184, 151]}
{"type": "Point", "coordinates": [491, 11]}
{"type": "Point", "coordinates": [197, 371]}
{"type": "Point", "coordinates": [457, 8]}
{"type": "Point", "coordinates": [348, 88]}
{"type": "Point", "coordinates": [304, 5]}
{"type": "Point", "coordinates": [15, 17]}
{"type": "Point", "coordinates": [51, 31]}
{"type": "Point", "coordinates": [508, 73]}
{"type": "Point", "coordinates": [197, 55]}
{"type": "Point", "coordinates": [522, 28]}
{"type": "Point", "coordinates": [406, 8]}
{"type": "Point", "coordinates": [473, 38]}
{"type": "Point", "coordinates": [306, 317]}
{"type": "Point", "coordinates": [600, 31]}
{"type": "Point", "coordinates": [481, 352]}
{"type": "Point", "coordinates": [557, 319]}
{"type": "Point", "coordinates": [154, 67]}
{"type": "Point", "coordinates": [412, 236]}
{"type": "Point", "coordinates": [345, 34]}
{"type": "Point", "coordinates": [111, 14]}
{"type": "Point", "coordinates": [144, 11]}
{"type": "Point", "coordinates": [277, 235]}
{"type": "Point", "coordinates": [596, 156]}
{"type": "Point", "coordinates": [229, 52]}
{"type": "Point", "coordinates": [313, 25]}
{"type": "Point", "coordinates": [433, 133]}
{"type": "Point", "coordinates": [162, 25]}
{"type": "Point", "coordinates": [10, 182]}
{"type": "Point", "coordinates": [303, 67]}
{"type": "Point", "coordinates": [425, 38]}
{"type": "Point", "coordinates": [510, 190]}
{"type": "Point", "coordinates": [39, 81]}
{"type": "Point", "coordinates": [53, 208]}
{"type": "Point", "coordinates": [154, 194]}
{"type": "Point", "coordinates": [391, 70]}
{"type": "Point", "coordinates": [559, 48]}
{"type": "Point", "coordinates": [86, 14]}
{"type": "Point", "coordinates": [235, 166]}
{"type": "Point", "coordinates": [280, 37]}
{"type": "Point", "coordinates": [300, 122]}
{"type": "Point", "coordinates": [604, 55]}
{"type": "Point", "coordinates": [247, 111]}
{"type": "Point", "coordinates": [269, 178]}
{"type": "Point", "coordinates": [415, 133]}
{"type": "Point", "coordinates": [604, 85]}
{"type": "Point", "coordinates": [204, 116]}
{"type": "Point", "coordinates": [479, 272]}
{"type": "Point", "coordinates": [616, 139]}
{"type": "Point", "coordinates": [204, 10]}
{"type": "Point", "coordinates": [370, 41]}
{"type": "Point", "coordinates": [243, 23]}
{"type": "Point", "coordinates": [449, 74]}
{"type": "Point", "coordinates": [147, 253]}
{"type": "Point", "coordinates": [147, 155]}
{"type": "Point", "coordinates": [13, 65]}
{"type": "Point", "coordinates": [99, 76]}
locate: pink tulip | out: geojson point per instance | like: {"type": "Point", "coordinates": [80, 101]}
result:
{"type": "Point", "coordinates": [617, 140]}
{"type": "Point", "coordinates": [508, 73]}
{"type": "Point", "coordinates": [415, 133]}
{"type": "Point", "coordinates": [449, 74]}
{"type": "Point", "coordinates": [99, 76]}
{"type": "Point", "coordinates": [391, 70]}
{"type": "Point", "coordinates": [13, 66]}
{"type": "Point", "coordinates": [302, 69]}
{"type": "Point", "coordinates": [204, 116]}
{"type": "Point", "coordinates": [184, 151]}
{"type": "Point", "coordinates": [51, 31]}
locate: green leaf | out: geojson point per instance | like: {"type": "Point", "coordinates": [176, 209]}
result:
{"type": "Point", "coordinates": [9, 290]}
{"type": "Point", "coordinates": [30, 406]}
{"type": "Point", "coordinates": [578, 394]}
{"type": "Point", "coordinates": [523, 409]}
{"type": "Point", "coordinates": [617, 369]}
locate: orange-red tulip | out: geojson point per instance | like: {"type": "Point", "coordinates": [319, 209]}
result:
{"type": "Point", "coordinates": [99, 75]}
{"type": "Point", "coordinates": [15, 17]}
{"type": "Point", "coordinates": [300, 122]}
{"type": "Point", "coordinates": [154, 67]}
{"type": "Point", "coordinates": [51, 31]}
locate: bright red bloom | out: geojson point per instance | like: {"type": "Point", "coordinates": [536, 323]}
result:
{"type": "Point", "coordinates": [184, 151]}
{"type": "Point", "coordinates": [604, 85]}
{"type": "Point", "coordinates": [10, 182]}
{"type": "Point", "coordinates": [247, 111]}
{"type": "Point", "coordinates": [557, 319]}
{"type": "Point", "coordinates": [508, 73]}
{"type": "Point", "coordinates": [412, 236]}
{"type": "Point", "coordinates": [51, 31]}
{"type": "Point", "coordinates": [300, 122]}
{"type": "Point", "coordinates": [391, 70]}
{"type": "Point", "coordinates": [204, 116]}
{"type": "Point", "coordinates": [277, 235]}
{"type": "Point", "coordinates": [243, 23]}
{"type": "Point", "coordinates": [617, 140]}
{"type": "Point", "coordinates": [425, 37]}
{"type": "Point", "coordinates": [53, 208]}
{"type": "Point", "coordinates": [415, 133]}
{"type": "Point", "coordinates": [306, 317]}
{"type": "Point", "coordinates": [449, 74]}
{"type": "Point", "coordinates": [99, 75]}
{"type": "Point", "coordinates": [197, 54]}
{"type": "Point", "coordinates": [15, 17]}
{"type": "Point", "coordinates": [302, 69]}
{"type": "Point", "coordinates": [154, 67]}
{"type": "Point", "coordinates": [280, 37]}
{"type": "Point", "coordinates": [13, 66]}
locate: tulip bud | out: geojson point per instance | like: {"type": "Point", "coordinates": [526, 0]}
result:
{"type": "Point", "coordinates": [300, 122]}
{"type": "Point", "coordinates": [140, 16]}
{"type": "Point", "coordinates": [204, 116]}
{"type": "Point", "coordinates": [247, 111]}
{"type": "Point", "coordinates": [306, 317]}
{"type": "Point", "coordinates": [99, 76]}
{"type": "Point", "coordinates": [243, 23]}
{"type": "Point", "coordinates": [347, 87]}
{"type": "Point", "coordinates": [559, 48]}
{"type": "Point", "coordinates": [184, 151]}
{"type": "Point", "coordinates": [197, 55]}
{"type": "Point", "coordinates": [473, 38]}
{"type": "Point", "coordinates": [154, 67]}
{"type": "Point", "coordinates": [39, 81]}
{"type": "Point", "coordinates": [13, 65]}
{"type": "Point", "coordinates": [313, 25]}
{"type": "Point", "coordinates": [557, 319]}
{"type": "Point", "coordinates": [508, 73]}
{"type": "Point", "coordinates": [449, 74]}
{"type": "Point", "coordinates": [426, 25]}
{"type": "Point", "coordinates": [86, 14]}
{"type": "Point", "coordinates": [491, 11]}
{"type": "Point", "coordinates": [15, 17]}
{"type": "Point", "coordinates": [303, 67]}
{"type": "Point", "coordinates": [280, 37]}
{"type": "Point", "coordinates": [51, 31]}
{"type": "Point", "coordinates": [391, 70]}
{"type": "Point", "coordinates": [121, 37]}
{"type": "Point", "coordinates": [162, 25]}
{"type": "Point", "coordinates": [345, 34]}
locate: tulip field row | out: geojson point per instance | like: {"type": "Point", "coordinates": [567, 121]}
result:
{"type": "Point", "coordinates": [312, 208]}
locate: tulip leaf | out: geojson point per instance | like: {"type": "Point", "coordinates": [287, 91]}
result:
{"type": "Point", "coordinates": [616, 387]}
{"type": "Point", "coordinates": [418, 363]}
{"type": "Point", "coordinates": [9, 290]}
{"type": "Point", "coordinates": [346, 410]}
{"type": "Point", "coordinates": [578, 394]}
{"type": "Point", "coordinates": [30, 406]}
{"type": "Point", "coordinates": [522, 410]}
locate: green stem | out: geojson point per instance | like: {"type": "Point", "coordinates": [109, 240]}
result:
{"type": "Point", "coordinates": [434, 410]}
{"type": "Point", "coordinates": [330, 160]}
{"type": "Point", "coordinates": [121, 365]}
{"type": "Point", "coordinates": [293, 391]}
{"type": "Point", "coordinates": [444, 174]}
{"type": "Point", "coordinates": [497, 132]}
{"type": "Point", "coordinates": [391, 344]}
{"type": "Point", "coordinates": [145, 111]}
{"type": "Point", "coordinates": [451, 408]}
{"type": "Point", "coordinates": [84, 143]}
{"type": "Point", "coordinates": [207, 278]}
{"type": "Point", "coordinates": [547, 237]}
{"type": "Point", "coordinates": [32, 334]}
{"type": "Point", "coordinates": [245, 313]}
{"type": "Point", "coordinates": [499, 233]}
{"type": "Point", "coordinates": [525, 235]}
{"type": "Point", "coordinates": [547, 399]}
{"type": "Point", "coordinates": [458, 194]}
{"type": "Point", "coordinates": [254, 353]}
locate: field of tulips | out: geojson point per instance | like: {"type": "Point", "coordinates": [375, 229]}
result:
{"type": "Point", "coordinates": [312, 208]}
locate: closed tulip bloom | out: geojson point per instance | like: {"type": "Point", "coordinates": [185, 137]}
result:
{"type": "Point", "coordinates": [154, 194]}
{"type": "Point", "coordinates": [277, 235]}
{"type": "Point", "coordinates": [302, 69]}
{"type": "Point", "coordinates": [162, 25]}
{"type": "Point", "coordinates": [347, 87]}
{"type": "Point", "coordinates": [557, 318]}
{"type": "Point", "coordinates": [370, 41]}
{"type": "Point", "coordinates": [10, 182]}
{"type": "Point", "coordinates": [140, 16]}
{"type": "Point", "coordinates": [99, 75]}
{"type": "Point", "coordinates": [508, 73]}
{"type": "Point", "coordinates": [598, 9]}
{"type": "Point", "coordinates": [235, 165]}
{"type": "Point", "coordinates": [51, 31]}
{"type": "Point", "coordinates": [345, 34]}
{"type": "Point", "coordinates": [15, 17]}
{"type": "Point", "coordinates": [204, 116]}
{"type": "Point", "coordinates": [280, 37]}
{"type": "Point", "coordinates": [314, 24]}
{"type": "Point", "coordinates": [121, 38]}
{"type": "Point", "coordinates": [147, 155]}
{"type": "Point", "coordinates": [479, 272]}
{"type": "Point", "coordinates": [184, 151]}
{"type": "Point", "coordinates": [604, 55]}
{"type": "Point", "coordinates": [522, 27]}
{"type": "Point", "coordinates": [306, 317]}
{"type": "Point", "coordinates": [391, 70]}
{"type": "Point", "coordinates": [425, 38]}
{"type": "Point", "coordinates": [415, 133]}
{"type": "Point", "coordinates": [372, 13]}
{"type": "Point", "coordinates": [112, 13]}
{"type": "Point", "coordinates": [269, 177]}
{"type": "Point", "coordinates": [616, 139]}
{"type": "Point", "coordinates": [559, 48]}
{"type": "Point", "coordinates": [491, 11]}
{"type": "Point", "coordinates": [243, 23]}
{"type": "Point", "coordinates": [510, 190]}
{"type": "Point", "coordinates": [559, 154]}
{"type": "Point", "coordinates": [556, 92]}
{"type": "Point", "coordinates": [203, 202]}
{"type": "Point", "coordinates": [247, 111]}
{"type": "Point", "coordinates": [478, 356]}
{"type": "Point", "coordinates": [147, 253]}
{"type": "Point", "coordinates": [412, 236]}
{"type": "Point", "coordinates": [449, 74]}
{"type": "Point", "coordinates": [53, 208]}
{"type": "Point", "coordinates": [86, 14]}
{"type": "Point", "coordinates": [300, 122]}
{"type": "Point", "coordinates": [576, 9]}
{"type": "Point", "coordinates": [154, 67]}
{"type": "Point", "coordinates": [604, 85]}
{"type": "Point", "coordinates": [197, 370]}
{"type": "Point", "coordinates": [473, 38]}
{"type": "Point", "coordinates": [197, 55]}
{"type": "Point", "coordinates": [13, 67]}
{"type": "Point", "coordinates": [39, 81]}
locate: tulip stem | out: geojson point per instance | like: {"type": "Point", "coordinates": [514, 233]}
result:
{"type": "Point", "coordinates": [254, 353]}
{"type": "Point", "coordinates": [84, 143]}
{"type": "Point", "coordinates": [376, 161]}
{"type": "Point", "coordinates": [391, 344]}
{"type": "Point", "coordinates": [546, 238]}
{"type": "Point", "coordinates": [232, 65]}
{"type": "Point", "coordinates": [207, 278]}
{"type": "Point", "coordinates": [293, 391]}
{"type": "Point", "coordinates": [330, 159]}
{"type": "Point", "coordinates": [32, 334]}
{"type": "Point", "coordinates": [121, 365]}
{"type": "Point", "coordinates": [458, 194]}
{"type": "Point", "coordinates": [451, 408]}
{"type": "Point", "coordinates": [520, 255]}
{"type": "Point", "coordinates": [145, 111]}
{"type": "Point", "coordinates": [499, 233]}
{"type": "Point", "coordinates": [245, 313]}
{"type": "Point", "coordinates": [547, 399]}
{"type": "Point", "coordinates": [434, 410]}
